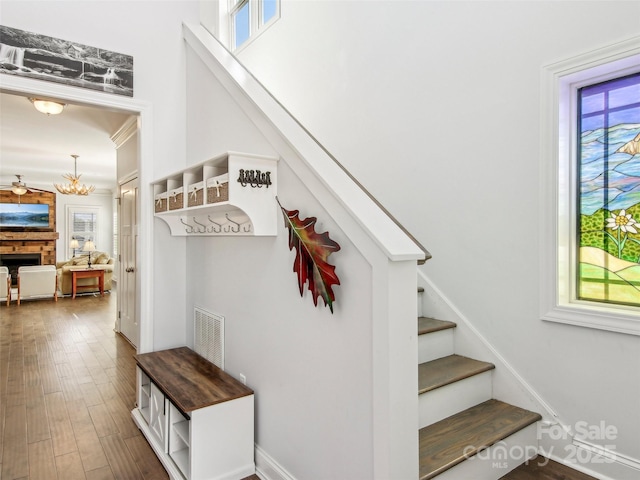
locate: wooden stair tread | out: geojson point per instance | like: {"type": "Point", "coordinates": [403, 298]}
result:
{"type": "Point", "coordinates": [444, 444]}
{"type": "Point", "coordinates": [541, 468]}
{"type": "Point", "coordinates": [443, 371]}
{"type": "Point", "coordinates": [430, 325]}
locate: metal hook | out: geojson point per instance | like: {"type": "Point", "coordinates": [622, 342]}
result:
{"type": "Point", "coordinates": [246, 227]}
{"type": "Point", "coordinates": [213, 229]}
{"type": "Point", "coordinates": [190, 229]}
{"type": "Point", "coordinates": [234, 230]}
{"type": "Point", "coordinates": [204, 227]}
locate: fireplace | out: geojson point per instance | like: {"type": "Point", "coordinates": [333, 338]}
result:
{"type": "Point", "coordinates": [14, 260]}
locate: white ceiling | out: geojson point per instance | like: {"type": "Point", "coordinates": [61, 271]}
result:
{"type": "Point", "coordinates": [39, 147]}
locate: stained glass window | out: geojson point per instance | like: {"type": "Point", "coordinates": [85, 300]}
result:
{"type": "Point", "coordinates": [609, 191]}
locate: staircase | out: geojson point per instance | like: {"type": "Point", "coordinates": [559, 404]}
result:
{"type": "Point", "coordinates": [464, 433]}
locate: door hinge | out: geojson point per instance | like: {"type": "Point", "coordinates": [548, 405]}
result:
{"type": "Point", "coordinates": [119, 314]}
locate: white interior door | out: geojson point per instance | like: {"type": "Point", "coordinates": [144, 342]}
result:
{"type": "Point", "coordinates": [128, 221]}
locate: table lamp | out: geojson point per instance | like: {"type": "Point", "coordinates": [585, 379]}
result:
{"type": "Point", "coordinates": [74, 245]}
{"type": "Point", "coordinates": [89, 246]}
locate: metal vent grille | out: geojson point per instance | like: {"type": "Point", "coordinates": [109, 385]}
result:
{"type": "Point", "coordinates": [209, 336]}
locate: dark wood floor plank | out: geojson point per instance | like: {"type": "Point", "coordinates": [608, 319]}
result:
{"type": "Point", "coordinates": [15, 458]}
{"type": "Point", "coordinates": [60, 425]}
{"type": "Point", "coordinates": [120, 459]}
{"type": "Point", "coordinates": [69, 467]}
{"type": "Point", "coordinates": [89, 446]}
{"type": "Point", "coordinates": [145, 459]}
{"type": "Point", "coordinates": [41, 461]}
{"type": "Point", "coordinates": [541, 468]}
{"type": "Point", "coordinates": [37, 420]}
{"type": "Point", "coordinates": [3, 408]}
{"type": "Point", "coordinates": [102, 420]}
{"type": "Point", "coordinates": [49, 378]}
{"type": "Point", "coordinates": [91, 394]}
{"type": "Point", "coordinates": [103, 473]}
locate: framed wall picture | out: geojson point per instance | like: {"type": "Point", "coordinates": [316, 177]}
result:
{"type": "Point", "coordinates": [55, 60]}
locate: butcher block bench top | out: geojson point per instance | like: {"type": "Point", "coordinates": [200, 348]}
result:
{"type": "Point", "coordinates": [189, 380]}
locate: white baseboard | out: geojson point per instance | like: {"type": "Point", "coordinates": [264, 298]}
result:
{"type": "Point", "coordinates": [268, 469]}
{"type": "Point", "coordinates": [598, 462]}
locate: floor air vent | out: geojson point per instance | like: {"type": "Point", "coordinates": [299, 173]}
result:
{"type": "Point", "coordinates": [209, 336]}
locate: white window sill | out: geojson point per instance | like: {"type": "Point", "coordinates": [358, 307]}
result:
{"type": "Point", "coordinates": [601, 318]}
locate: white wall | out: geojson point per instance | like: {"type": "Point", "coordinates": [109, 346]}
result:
{"type": "Point", "coordinates": [434, 106]}
{"type": "Point", "coordinates": [151, 32]}
{"type": "Point", "coordinates": [311, 370]}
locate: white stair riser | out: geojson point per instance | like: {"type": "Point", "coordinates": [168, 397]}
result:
{"type": "Point", "coordinates": [435, 345]}
{"type": "Point", "coordinates": [498, 460]}
{"type": "Point", "coordinates": [445, 401]}
{"type": "Point", "coordinates": [420, 295]}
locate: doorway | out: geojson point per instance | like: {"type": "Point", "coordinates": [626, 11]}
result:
{"type": "Point", "coordinates": [70, 95]}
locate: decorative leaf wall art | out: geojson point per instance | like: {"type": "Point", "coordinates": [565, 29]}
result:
{"type": "Point", "coordinates": [312, 252]}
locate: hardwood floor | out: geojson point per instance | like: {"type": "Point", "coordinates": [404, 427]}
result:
{"type": "Point", "coordinates": [67, 387]}
{"type": "Point", "coordinates": [541, 468]}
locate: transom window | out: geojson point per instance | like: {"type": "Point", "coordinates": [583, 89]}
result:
{"type": "Point", "coordinates": [249, 18]}
{"type": "Point", "coordinates": [609, 191]}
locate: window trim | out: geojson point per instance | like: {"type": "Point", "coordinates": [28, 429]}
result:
{"type": "Point", "coordinates": [256, 24]}
{"type": "Point", "coordinates": [558, 185]}
{"type": "Point", "coordinates": [73, 209]}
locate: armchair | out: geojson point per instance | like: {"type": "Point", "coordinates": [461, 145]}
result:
{"type": "Point", "coordinates": [37, 281]}
{"type": "Point", "coordinates": [5, 285]}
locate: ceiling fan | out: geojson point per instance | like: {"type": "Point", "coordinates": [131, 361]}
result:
{"type": "Point", "coordinates": [20, 188]}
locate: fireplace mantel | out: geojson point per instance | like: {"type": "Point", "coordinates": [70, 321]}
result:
{"type": "Point", "coordinates": [28, 236]}
{"type": "Point", "coordinates": [41, 243]}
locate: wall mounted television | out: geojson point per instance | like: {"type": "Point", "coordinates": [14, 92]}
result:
{"type": "Point", "coordinates": [24, 215]}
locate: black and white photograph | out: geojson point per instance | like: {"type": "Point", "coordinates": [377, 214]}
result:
{"type": "Point", "coordinates": [51, 59]}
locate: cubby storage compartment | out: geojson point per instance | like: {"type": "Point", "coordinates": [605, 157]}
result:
{"type": "Point", "coordinates": [179, 440]}
{"type": "Point", "coordinates": [200, 433]}
{"type": "Point", "coordinates": [231, 194]}
{"type": "Point", "coordinates": [161, 202]}
{"type": "Point", "coordinates": [144, 395]}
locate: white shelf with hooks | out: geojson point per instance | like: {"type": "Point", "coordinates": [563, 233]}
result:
{"type": "Point", "coordinates": [232, 194]}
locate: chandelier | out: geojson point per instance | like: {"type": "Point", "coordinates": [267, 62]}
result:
{"type": "Point", "coordinates": [74, 187]}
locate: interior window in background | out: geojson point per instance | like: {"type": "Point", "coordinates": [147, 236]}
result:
{"type": "Point", "coordinates": [83, 226]}
{"type": "Point", "coordinates": [609, 191]}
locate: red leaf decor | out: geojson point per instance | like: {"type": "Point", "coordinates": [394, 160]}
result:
{"type": "Point", "coordinates": [312, 251]}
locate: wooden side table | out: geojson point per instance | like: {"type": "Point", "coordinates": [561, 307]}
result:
{"type": "Point", "coordinates": [86, 273]}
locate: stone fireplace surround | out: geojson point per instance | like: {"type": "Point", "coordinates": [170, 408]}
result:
{"type": "Point", "coordinates": [27, 248]}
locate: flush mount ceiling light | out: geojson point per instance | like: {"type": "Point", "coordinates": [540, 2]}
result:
{"type": "Point", "coordinates": [74, 187]}
{"type": "Point", "coordinates": [47, 107]}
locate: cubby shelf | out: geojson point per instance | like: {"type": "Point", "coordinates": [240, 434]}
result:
{"type": "Point", "coordinates": [232, 194]}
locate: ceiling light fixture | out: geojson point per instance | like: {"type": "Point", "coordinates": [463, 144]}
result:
{"type": "Point", "coordinates": [47, 107]}
{"type": "Point", "coordinates": [74, 188]}
{"type": "Point", "coordinates": [19, 188]}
